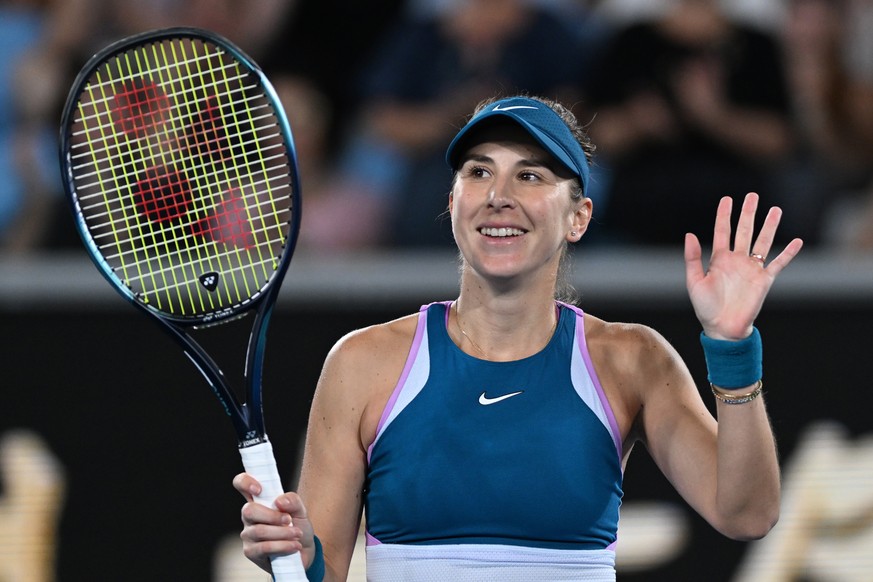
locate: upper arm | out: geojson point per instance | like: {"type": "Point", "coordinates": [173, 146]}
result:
{"type": "Point", "coordinates": [356, 380]}
{"type": "Point", "coordinates": [332, 476]}
{"type": "Point", "coordinates": [677, 429]}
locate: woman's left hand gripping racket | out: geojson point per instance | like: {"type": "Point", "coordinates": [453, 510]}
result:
{"type": "Point", "coordinates": [180, 167]}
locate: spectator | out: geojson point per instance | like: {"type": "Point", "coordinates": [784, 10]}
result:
{"type": "Point", "coordinates": [29, 179]}
{"type": "Point", "coordinates": [339, 215]}
{"type": "Point", "coordinates": [432, 69]}
{"type": "Point", "coordinates": [832, 108]}
{"type": "Point", "coordinates": [44, 43]}
{"type": "Point", "coordinates": [328, 42]}
{"type": "Point", "coordinates": [688, 106]}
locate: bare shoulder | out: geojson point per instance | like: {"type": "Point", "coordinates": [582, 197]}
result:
{"type": "Point", "coordinates": [369, 349]}
{"type": "Point", "coordinates": [361, 371]}
{"type": "Point", "coordinates": [626, 345]}
{"type": "Point", "coordinates": [633, 361]}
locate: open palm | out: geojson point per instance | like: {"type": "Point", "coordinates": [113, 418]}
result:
{"type": "Point", "coordinates": [728, 296]}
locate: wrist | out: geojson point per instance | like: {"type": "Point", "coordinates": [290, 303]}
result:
{"type": "Point", "coordinates": [715, 335]}
{"type": "Point", "coordinates": [733, 364]}
{"type": "Point", "coordinates": [315, 571]}
{"type": "Point", "coordinates": [732, 397]}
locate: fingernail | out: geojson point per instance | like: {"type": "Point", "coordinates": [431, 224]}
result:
{"type": "Point", "coordinates": [286, 519]}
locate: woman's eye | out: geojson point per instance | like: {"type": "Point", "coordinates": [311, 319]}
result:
{"type": "Point", "coordinates": [528, 176]}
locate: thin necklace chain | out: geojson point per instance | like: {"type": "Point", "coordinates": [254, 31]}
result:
{"type": "Point", "coordinates": [464, 333]}
{"type": "Point", "coordinates": [475, 345]}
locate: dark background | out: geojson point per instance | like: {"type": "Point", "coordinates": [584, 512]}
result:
{"type": "Point", "coordinates": [149, 456]}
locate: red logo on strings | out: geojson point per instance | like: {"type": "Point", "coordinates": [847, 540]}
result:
{"type": "Point", "coordinates": [163, 195]}
{"type": "Point", "coordinates": [140, 108]}
{"type": "Point", "coordinates": [227, 223]}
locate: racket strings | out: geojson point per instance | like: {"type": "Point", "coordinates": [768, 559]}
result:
{"type": "Point", "coordinates": [212, 74]}
{"type": "Point", "coordinates": [204, 260]}
{"type": "Point", "coordinates": [98, 122]}
{"type": "Point", "coordinates": [128, 255]}
{"type": "Point", "coordinates": [215, 76]}
{"type": "Point", "coordinates": [238, 269]}
{"type": "Point", "coordinates": [96, 210]}
{"type": "Point", "coordinates": [170, 142]}
{"type": "Point", "coordinates": [196, 169]}
{"type": "Point", "coordinates": [182, 171]}
{"type": "Point", "coordinates": [171, 65]}
{"type": "Point", "coordinates": [135, 120]}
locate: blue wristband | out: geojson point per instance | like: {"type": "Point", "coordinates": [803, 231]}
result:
{"type": "Point", "coordinates": [736, 364]}
{"type": "Point", "coordinates": [315, 571]}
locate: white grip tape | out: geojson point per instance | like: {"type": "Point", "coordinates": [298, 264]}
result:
{"type": "Point", "coordinates": [259, 462]}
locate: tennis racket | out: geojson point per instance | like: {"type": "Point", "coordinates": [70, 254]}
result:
{"type": "Point", "coordinates": [180, 168]}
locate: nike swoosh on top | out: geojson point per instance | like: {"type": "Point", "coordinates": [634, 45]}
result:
{"type": "Point", "coordinates": [485, 401]}
{"type": "Point", "coordinates": [511, 107]}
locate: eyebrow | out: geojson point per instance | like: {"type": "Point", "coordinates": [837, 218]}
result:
{"type": "Point", "coordinates": [540, 162]}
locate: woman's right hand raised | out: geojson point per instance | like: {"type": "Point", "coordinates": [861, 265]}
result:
{"type": "Point", "coordinates": [269, 532]}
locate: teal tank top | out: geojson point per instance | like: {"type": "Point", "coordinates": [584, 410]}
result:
{"type": "Point", "coordinates": [523, 453]}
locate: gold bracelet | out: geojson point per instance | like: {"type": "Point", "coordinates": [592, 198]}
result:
{"type": "Point", "coordinates": [729, 398]}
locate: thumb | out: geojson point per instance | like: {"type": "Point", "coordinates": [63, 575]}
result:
{"type": "Point", "coordinates": [247, 486]}
{"type": "Point", "coordinates": [693, 261]}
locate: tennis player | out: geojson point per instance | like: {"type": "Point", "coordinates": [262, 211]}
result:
{"type": "Point", "coordinates": [485, 438]}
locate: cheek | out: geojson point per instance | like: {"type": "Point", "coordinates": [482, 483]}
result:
{"type": "Point", "coordinates": [462, 203]}
{"type": "Point", "coordinates": [558, 213]}
{"type": "Point", "coordinates": [458, 209]}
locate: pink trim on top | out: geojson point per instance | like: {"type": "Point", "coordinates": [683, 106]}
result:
{"type": "Point", "coordinates": [398, 388]}
{"type": "Point", "coordinates": [604, 401]}
{"type": "Point", "coordinates": [448, 305]}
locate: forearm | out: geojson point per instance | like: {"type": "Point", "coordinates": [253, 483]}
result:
{"type": "Point", "coordinates": [748, 484]}
{"type": "Point", "coordinates": [727, 299]}
{"type": "Point", "coordinates": [747, 489]}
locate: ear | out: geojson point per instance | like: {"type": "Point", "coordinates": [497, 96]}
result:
{"type": "Point", "coordinates": [451, 202]}
{"type": "Point", "coordinates": [580, 219]}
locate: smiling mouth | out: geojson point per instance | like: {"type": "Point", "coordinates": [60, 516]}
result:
{"type": "Point", "coordinates": [500, 232]}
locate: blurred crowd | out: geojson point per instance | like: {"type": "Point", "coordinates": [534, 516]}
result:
{"type": "Point", "coordinates": [686, 100]}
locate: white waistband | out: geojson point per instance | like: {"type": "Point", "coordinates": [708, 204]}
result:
{"type": "Point", "coordinates": [486, 562]}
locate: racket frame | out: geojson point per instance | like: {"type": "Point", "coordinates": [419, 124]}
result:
{"type": "Point", "coordinates": [247, 417]}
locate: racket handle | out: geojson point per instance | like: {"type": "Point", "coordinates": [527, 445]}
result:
{"type": "Point", "coordinates": [260, 463]}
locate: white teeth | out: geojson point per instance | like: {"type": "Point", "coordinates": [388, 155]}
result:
{"type": "Point", "coordinates": [501, 232]}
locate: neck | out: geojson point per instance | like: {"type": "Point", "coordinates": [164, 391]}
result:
{"type": "Point", "coordinates": [502, 330]}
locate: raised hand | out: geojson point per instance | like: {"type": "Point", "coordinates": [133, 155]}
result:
{"type": "Point", "coordinates": [728, 296]}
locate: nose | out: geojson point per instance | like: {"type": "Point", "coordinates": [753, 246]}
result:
{"type": "Point", "coordinates": [500, 194]}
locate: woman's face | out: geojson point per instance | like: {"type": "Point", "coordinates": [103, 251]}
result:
{"type": "Point", "coordinates": [511, 205]}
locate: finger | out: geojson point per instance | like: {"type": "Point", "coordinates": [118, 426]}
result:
{"type": "Point", "coordinates": [746, 224]}
{"type": "Point", "coordinates": [247, 485]}
{"type": "Point", "coordinates": [259, 552]}
{"type": "Point", "coordinates": [721, 238]}
{"type": "Point", "coordinates": [260, 542]}
{"type": "Point", "coordinates": [291, 504]}
{"type": "Point", "coordinates": [786, 256]}
{"type": "Point", "coordinates": [259, 533]}
{"type": "Point", "coordinates": [764, 242]}
{"type": "Point", "coordinates": [256, 513]}
{"type": "Point", "coordinates": [693, 261]}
